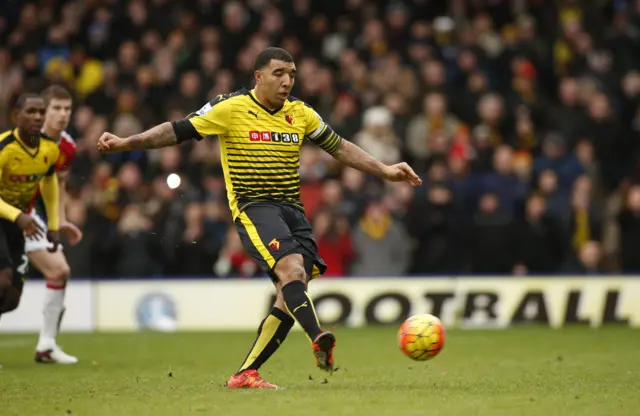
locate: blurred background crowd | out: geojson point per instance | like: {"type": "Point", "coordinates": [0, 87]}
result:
{"type": "Point", "coordinates": [521, 117]}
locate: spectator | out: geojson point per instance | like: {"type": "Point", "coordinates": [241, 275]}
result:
{"type": "Point", "coordinates": [503, 181]}
{"type": "Point", "coordinates": [432, 226]}
{"type": "Point", "coordinates": [134, 246]}
{"type": "Point", "coordinates": [556, 157]}
{"type": "Point", "coordinates": [492, 118]}
{"type": "Point", "coordinates": [557, 200]}
{"type": "Point", "coordinates": [381, 244]}
{"type": "Point", "coordinates": [432, 132]}
{"type": "Point", "coordinates": [585, 221]}
{"type": "Point", "coordinates": [629, 221]}
{"type": "Point", "coordinates": [234, 261]}
{"type": "Point", "coordinates": [539, 247]}
{"type": "Point", "coordinates": [378, 138]}
{"type": "Point", "coordinates": [608, 140]}
{"type": "Point", "coordinates": [569, 116]}
{"type": "Point", "coordinates": [491, 242]}
{"type": "Point", "coordinates": [587, 261]}
{"type": "Point", "coordinates": [334, 242]}
{"type": "Point", "coordinates": [198, 248]}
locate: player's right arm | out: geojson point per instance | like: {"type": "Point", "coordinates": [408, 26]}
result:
{"type": "Point", "coordinates": [13, 214]}
{"type": "Point", "coordinates": [210, 120]}
{"type": "Point", "coordinates": [7, 211]}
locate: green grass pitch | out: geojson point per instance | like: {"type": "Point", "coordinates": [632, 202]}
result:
{"type": "Point", "coordinates": [529, 371]}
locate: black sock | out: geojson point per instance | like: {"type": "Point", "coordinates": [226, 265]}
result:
{"type": "Point", "coordinates": [301, 307]}
{"type": "Point", "coordinates": [271, 333]}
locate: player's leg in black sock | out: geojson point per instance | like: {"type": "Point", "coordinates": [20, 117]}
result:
{"type": "Point", "coordinates": [271, 334]}
{"type": "Point", "coordinates": [301, 307]}
{"type": "Point", "coordinates": [290, 271]}
{"type": "Point", "coordinates": [11, 300]}
{"type": "Point", "coordinates": [6, 289]}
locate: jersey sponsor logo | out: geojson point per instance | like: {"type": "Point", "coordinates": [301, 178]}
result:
{"type": "Point", "coordinates": [290, 138]}
{"type": "Point", "coordinates": [274, 136]}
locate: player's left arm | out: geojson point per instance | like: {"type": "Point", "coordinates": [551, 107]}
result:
{"type": "Point", "coordinates": [352, 155]}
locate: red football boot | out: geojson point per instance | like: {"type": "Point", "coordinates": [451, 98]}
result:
{"type": "Point", "coordinates": [249, 379]}
{"type": "Point", "coordinates": [323, 350]}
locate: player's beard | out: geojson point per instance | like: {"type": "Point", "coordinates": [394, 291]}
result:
{"type": "Point", "coordinates": [34, 131]}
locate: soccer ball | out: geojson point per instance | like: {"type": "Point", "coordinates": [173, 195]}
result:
{"type": "Point", "coordinates": [421, 337]}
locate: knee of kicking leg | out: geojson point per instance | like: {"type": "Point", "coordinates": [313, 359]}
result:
{"type": "Point", "coordinates": [290, 269]}
{"type": "Point", "coordinates": [58, 275]}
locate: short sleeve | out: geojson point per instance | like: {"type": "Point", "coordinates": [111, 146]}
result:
{"type": "Point", "coordinates": [315, 124]}
{"type": "Point", "coordinates": [212, 119]}
{"type": "Point", "coordinates": [319, 132]}
{"type": "Point", "coordinates": [54, 156]}
{"type": "Point", "coordinates": [3, 161]}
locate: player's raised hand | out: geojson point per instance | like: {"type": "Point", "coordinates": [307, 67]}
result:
{"type": "Point", "coordinates": [72, 232]}
{"type": "Point", "coordinates": [401, 172]}
{"type": "Point", "coordinates": [110, 143]}
{"type": "Point", "coordinates": [54, 238]}
{"type": "Point", "coordinates": [29, 225]}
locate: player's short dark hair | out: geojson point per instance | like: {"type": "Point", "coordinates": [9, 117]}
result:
{"type": "Point", "coordinates": [57, 92]}
{"type": "Point", "coordinates": [268, 54]}
{"type": "Point", "coordinates": [22, 99]}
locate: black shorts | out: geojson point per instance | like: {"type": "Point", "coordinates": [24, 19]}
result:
{"type": "Point", "coordinates": [270, 231]}
{"type": "Point", "coordinates": [12, 251]}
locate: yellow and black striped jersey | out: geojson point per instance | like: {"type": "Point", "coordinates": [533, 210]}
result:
{"type": "Point", "coordinates": [22, 168]}
{"type": "Point", "coordinates": [260, 147]}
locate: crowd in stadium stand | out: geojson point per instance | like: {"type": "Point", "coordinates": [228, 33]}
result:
{"type": "Point", "coordinates": [521, 117]}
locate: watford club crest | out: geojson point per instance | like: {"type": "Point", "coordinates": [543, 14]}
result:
{"type": "Point", "coordinates": [289, 119]}
{"type": "Point", "coordinates": [274, 245]}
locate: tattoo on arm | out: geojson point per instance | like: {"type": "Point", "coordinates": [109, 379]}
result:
{"type": "Point", "coordinates": [353, 156]}
{"type": "Point", "coordinates": [159, 136]}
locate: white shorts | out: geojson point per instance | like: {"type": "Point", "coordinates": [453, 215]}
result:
{"type": "Point", "coordinates": [40, 242]}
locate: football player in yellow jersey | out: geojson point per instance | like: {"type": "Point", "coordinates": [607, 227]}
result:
{"type": "Point", "coordinates": [27, 163]}
{"type": "Point", "coordinates": [261, 132]}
